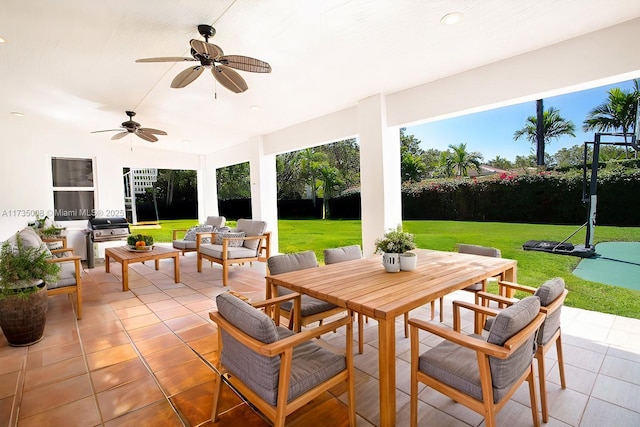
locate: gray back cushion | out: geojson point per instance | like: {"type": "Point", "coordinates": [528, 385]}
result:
{"type": "Point", "coordinates": [31, 239]}
{"type": "Point", "coordinates": [251, 227]}
{"type": "Point", "coordinates": [285, 263]}
{"type": "Point", "coordinates": [507, 323]}
{"type": "Point", "coordinates": [479, 250]}
{"type": "Point", "coordinates": [548, 292]}
{"type": "Point", "coordinates": [215, 221]}
{"type": "Point", "coordinates": [341, 254]}
{"type": "Point", "coordinates": [258, 372]}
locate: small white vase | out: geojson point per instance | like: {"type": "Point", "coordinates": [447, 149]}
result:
{"type": "Point", "coordinates": [391, 262]}
{"type": "Point", "coordinates": [408, 261]}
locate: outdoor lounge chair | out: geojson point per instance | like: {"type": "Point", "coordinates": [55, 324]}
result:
{"type": "Point", "coordinates": [480, 374]}
{"type": "Point", "coordinates": [188, 241]}
{"type": "Point", "coordinates": [552, 294]}
{"type": "Point", "coordinates": [276, 370]}
{"type": "Point", "coordinates": [248, 242]}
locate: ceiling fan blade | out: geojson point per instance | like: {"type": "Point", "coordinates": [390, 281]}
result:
{"type": "Point", "coordinates": [107, 130]}
{"type": "Point", "coordinates": [209, 50]}
{"type": "Point", "coordinates": [120, 135]}
{"type": "Point", "coordinates": [229, 79]}
{"type": "Point", "coordinates": [187, 76]}
{"type": "Point", "coordinates": [146, 136]}
{"type": "Point", "coordinates": [245, 63]}
{"type": "Point", "coordinates": [166, 59]}
{"type": "Point", "coordinates": [152, 131]}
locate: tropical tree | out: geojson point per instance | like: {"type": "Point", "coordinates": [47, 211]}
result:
{"type": "Point", "coordinates": [310, 162]}
{"type": "Point", "coordinates": [234, 182]}
{"type": "Point", "coordinates": [331, 180]}
{"type": "Point", "coordinates": [412, 167]}
{"type": "Point", "coordinates": [617, 113]}
{"type": "Point", "coordinates": [460, 160]}
{"type": "Point", "coordinates": [500, 163]}
{"type": "Point", "coordinates": [554, 126]}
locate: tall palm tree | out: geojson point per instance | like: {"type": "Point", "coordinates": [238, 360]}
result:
{"type": "Point", "coordinates": [554, 126]}
{"type": "Point", "coordinates": [461, 160]}
{"type": "Point", "coordinates": [617, 113]}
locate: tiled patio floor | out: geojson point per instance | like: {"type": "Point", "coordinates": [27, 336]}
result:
{"type": "Point", "coordinates": [144, 357]}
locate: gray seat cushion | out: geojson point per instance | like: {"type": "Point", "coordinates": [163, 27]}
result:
{"type": "Point", "coordinates": [548, 293]}
{"type": "Point", "coordinates": [458, 366]}
{"type": "Point", "coordinates": [341, 254]}
{"type": "Point", "coordinates": [215, 251]}
{"type": "Point", "coordinates": [67, 275]}
{"type": "Point", "coordinates": [311, 363]}
{"type": "Point", "coordinates": [251, 227]}
{"type": "Point", "coordinates": [215, 221]}
{"type": "Point", "coordinates": [184, 244]}
{"type": "Point", "coordinates": [478, 250]}
{"type": "Point", "coordinates": [285, 263]}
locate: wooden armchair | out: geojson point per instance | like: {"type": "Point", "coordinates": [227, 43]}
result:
{"type": "Point", "coordinates": [70, 281]}
{"type": "Point", "coordinates": [311, 309]}
{"type": "Point", "coordinates": [480, 374]}
{"type": "Point", "coordinates": [552, 294]}
{"type": "Point", "coordinates": [188, 241]}
{"type": "Point", "coordinates": [257, 358]}
{"type": "Point", "coordinates": [248, 242]}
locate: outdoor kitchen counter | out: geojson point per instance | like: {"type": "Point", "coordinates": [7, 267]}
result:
{"type": "Point", "coordinates": [125, 257]}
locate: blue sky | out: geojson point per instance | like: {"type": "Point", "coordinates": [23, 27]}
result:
{"type": "Point", "coordinates": [491, 132]}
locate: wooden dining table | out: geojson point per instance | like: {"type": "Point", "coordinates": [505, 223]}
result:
{"type": "Point", "coordinates": [365, 287]}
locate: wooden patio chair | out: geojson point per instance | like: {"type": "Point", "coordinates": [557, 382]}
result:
{"type": "Point", "coordinates": [276, 370]}
{"type": "Point", "coordinates": [552, 294]}
{"type": "Point", "coordinates": [480, 374]}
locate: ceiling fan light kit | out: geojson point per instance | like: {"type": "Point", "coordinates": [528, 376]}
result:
{"type": "Point", "coordinates": [212, 57]}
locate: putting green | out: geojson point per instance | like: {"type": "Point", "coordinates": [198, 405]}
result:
{"type": "Point", "coordinates": [615, 263]}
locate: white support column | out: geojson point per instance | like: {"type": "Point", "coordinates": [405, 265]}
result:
{"type": "Point", "coordinates": [207, 190]}
{"type": "Point", "coordinates": [264, 188]}
{"type": "Point", "coordinates": [380, 180]}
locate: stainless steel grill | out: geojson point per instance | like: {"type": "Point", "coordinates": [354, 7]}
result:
{"type": "Point", "coordinates": [108, 229]}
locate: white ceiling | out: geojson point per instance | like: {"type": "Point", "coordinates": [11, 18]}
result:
{"type": "Point", "coordinates": [72, 62]}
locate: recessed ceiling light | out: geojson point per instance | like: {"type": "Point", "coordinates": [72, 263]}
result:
{"type": "Point", "coordinates": [255, 107]}
{"type": "Point", "coordinates": [17, 114]}
{"type": "Point", "coordinates": [451, 18]}
{"type": "Point", "coordinates": [2, 40]}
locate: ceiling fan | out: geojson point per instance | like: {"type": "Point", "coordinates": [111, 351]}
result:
{"type": "Point", "coordinates": [211, 56]}
{"type": "Point", "coordinates": [148, 134]}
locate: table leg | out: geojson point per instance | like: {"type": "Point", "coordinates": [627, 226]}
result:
{"type": "Point", "coordinates": [176, 268]}
{"type": "Point", "coordinates": [106, 262]}
{"type": "Point", "coordinates": [157, 264]}
{"type": "Point", "coordinates": [510, 276]}
{"type": "Point", "coordinates": [387, 365]}
{"type": "Point", "coordinates": [125, 276]}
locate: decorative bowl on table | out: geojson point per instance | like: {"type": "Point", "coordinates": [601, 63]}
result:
{"type": "Point", "coordinates": [139, 248]}
{"type": "Point", "coordinates": [139, 243]}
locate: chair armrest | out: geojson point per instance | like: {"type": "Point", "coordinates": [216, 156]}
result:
{"type": "Point", "coordinates": [276, 300]}
{"type": "Point", "coordinates": [503, 285]}
{"type": "Point", "coordinates": [61, 251]}
{"type": "Point", "coordinates": [64, 259]}
{"type": "Point", "coordinates": [486, 296]}
{"type": "Point", "coordinates": [62, 239]}
{"type": "Point", "coordinates": [478, 309]}
{"type": "Point", "coordinates": [280, 346]}
{"type": "Point", "coordinates": [175, 233]}
{"type": "Point", "coordinates": [459, 338]}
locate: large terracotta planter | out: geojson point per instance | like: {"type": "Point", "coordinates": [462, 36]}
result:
{"type": "Point", "coordinates": [22, 318]}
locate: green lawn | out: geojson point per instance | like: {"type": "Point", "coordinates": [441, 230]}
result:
{"type": "Point", "coordinates": [533, 267]}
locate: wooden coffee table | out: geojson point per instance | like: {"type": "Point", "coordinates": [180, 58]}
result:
{"type": "Point", "coordinates": [125, 257]}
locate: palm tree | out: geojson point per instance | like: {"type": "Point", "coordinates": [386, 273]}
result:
{"type": "Point", "coordinates": [618, 112]}
{"type": "Point", "coordinates": [554, 126]}
{"type": "Point", "coordinates": [461, 160]}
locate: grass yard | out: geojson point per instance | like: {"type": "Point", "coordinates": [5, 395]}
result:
{"type": "Point", "coordinates": [533, 267]}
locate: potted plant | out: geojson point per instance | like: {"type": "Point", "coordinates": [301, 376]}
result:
{"type": "Point", "coordinates": [24, 271]}
{"type": "Point", "coordinates": [392, 245]}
